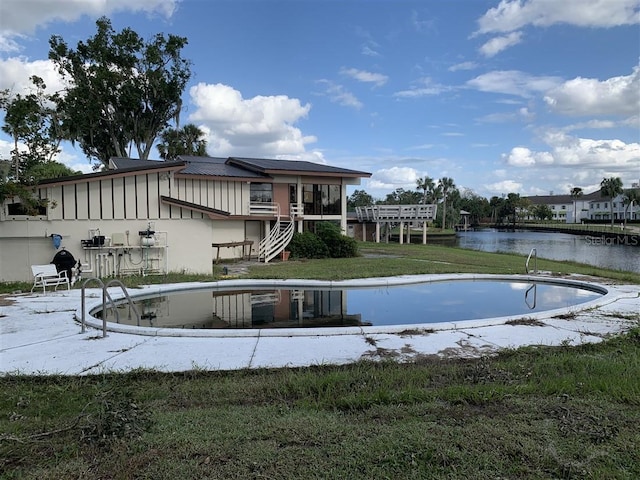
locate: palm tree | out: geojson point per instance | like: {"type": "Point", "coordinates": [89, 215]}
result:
{"type": "Point", "coordinates": [611, 188]}
{"type": "Point", "coordinates": [631, 196]}
{"type": "Point", "coordinates": [445, 184]}
{"type": "Point", "coordinates": [576, 193]}
{"type": "Point", "coordinates": [188, 140]}
{"type": "Point", "coordinates": [427, 185]}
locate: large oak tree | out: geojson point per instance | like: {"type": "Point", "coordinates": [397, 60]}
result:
{"type": "Point", "coordinates": [122, 91]}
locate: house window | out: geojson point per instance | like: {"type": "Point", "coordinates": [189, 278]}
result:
{"type": "Point", "coordinates": [293, 193]}
{"type": "Point", "coordinates": [553, 207]}
{"type": "Point", "coordinates": [564, 207]}
{"type": "Point", "coordinates": [321, 199]}
{"type": "Point", "coordinates": [261, 192]}
{"type": "Point", "coordinates": [606, 205]}
{"type": "Point", "coordinates": [14, 209]}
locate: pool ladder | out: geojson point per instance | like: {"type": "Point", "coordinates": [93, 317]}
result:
{"type": "Point", "coordinates": [105, 296]}
{"type": "Point", "coordinates": [533, 253]}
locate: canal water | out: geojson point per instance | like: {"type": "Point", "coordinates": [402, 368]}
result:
{"type": "Point", "coordinates": [592, 250]}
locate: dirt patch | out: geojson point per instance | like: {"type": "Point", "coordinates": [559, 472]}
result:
{"type": "Point", "coordinates": [5, 301]}
{"type": "Point", "coordinates": [531, 322]}
{"type": "Point", "coordinates": [567, 316]}
{"type": "Point", "coordinates": [415, 331]}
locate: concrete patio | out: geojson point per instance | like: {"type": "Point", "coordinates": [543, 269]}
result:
{"type": "Point", "coordinates": [39, 335]}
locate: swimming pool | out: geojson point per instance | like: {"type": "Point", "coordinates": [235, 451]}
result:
{"type": "Point", "coordinates": [426, 301]}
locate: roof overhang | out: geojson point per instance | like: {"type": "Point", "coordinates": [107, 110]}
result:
{"type": "Point", "coordinates": [212, 213]}
{"type": "Point", "coordinates": [109, 174]}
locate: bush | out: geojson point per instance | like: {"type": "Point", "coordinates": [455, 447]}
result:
{"type": "Point", "coordinates": [307, 245]}
{"type": "Point", "coordinates": [340, 246]}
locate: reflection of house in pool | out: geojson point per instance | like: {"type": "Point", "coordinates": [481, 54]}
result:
{"type": "Point", "coordinates": [284, 308]}
{"type": "Point", "coordinates": [245, 309]}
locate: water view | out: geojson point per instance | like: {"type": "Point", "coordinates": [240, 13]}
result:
{"type": "Point", "coordinates": [594, 250]}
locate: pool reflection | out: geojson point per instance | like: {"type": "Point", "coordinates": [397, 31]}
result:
{"type": "Point", "coordinates": [420, 303]}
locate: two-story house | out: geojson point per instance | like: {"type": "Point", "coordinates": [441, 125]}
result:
{"type": "Point", "coordinates": [150, 217]}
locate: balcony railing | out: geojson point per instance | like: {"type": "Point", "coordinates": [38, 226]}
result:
{"type": "Point", "coordinates": [269, 209]}
{"type": "Point", "coordinates": [264, 209]}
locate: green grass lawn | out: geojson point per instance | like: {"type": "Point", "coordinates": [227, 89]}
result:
{"type": "Point", "coordinates": [537, 412]}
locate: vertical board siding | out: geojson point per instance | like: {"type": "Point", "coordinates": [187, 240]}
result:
{"type": "Point", "coordinates": [118, 199]}
{"type": "Point", "coordinates": [94, 200]}
{"type": "Point", "coordinates": [130, 200]}
{"type": "Point", "coordinates": [211, 187]}
{"type": "Point", "coordinates": [82, 201]}
{"type": "Point", "coordinates": [67, 205]}
{"type": "Point", "coordinates": [141, 197]}
{"type": "Point", "coordinates": [106, 197]}
{"type": "Point", "coordinates": [152, 196]}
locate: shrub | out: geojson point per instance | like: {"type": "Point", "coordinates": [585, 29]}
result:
{"type": "Point", "coordinates": [340, 246]}
{"type": "Point", "coordinates": [307, 245]}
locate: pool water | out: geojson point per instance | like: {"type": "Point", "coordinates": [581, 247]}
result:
{"type": "Point", "coordinates": [421, 303]}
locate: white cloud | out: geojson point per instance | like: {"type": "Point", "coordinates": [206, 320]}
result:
{"type": "Point", "coordinates": [523, 157]}
{"type": "Point", "coordinates": [589, 96]}
{"type": "Point", "coordinates": [424, 87]}
{"type": "Point", "coordinates": [74, 162]}
{"type": "Point", "coordinates": [394, 177]}
{"type": "Point", "coordinates": [575, 152]}
{"type": "Point", "coordinates": [421, 25]}
{"type": "Point", "coordinates": [262, 125]}
{"type": "Point", "coordinates": [68, 158]}
{"type": "Point", "coordinates": [377, 79]}
{"type": "Point", "coordinates": [523, 114]}
{"type": "Point", "coordinates": [15, 73]}
{"type": "Point", "coordinates": [513, 82]}
{"type": "Point", "coordinates": [369, 52]}
{"type": "Point", "coordinates": [19, 16]}
{"type": "Point", "coordinates": [511, 15]}
{"type": "Point", "coordinates": [338, 94]}
{"type": "Point", "coordinates": [498, 44]}
{"type": "Point", "coordinates": [591, 124]}
{"type": "Point", "coordinates": [463, 66]}
{"type": "Point", "coordinates": [505, 186]}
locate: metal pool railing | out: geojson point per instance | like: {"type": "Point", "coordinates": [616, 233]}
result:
{"type": "Point", "coordinates": [533, 253]}
{"type": "Point", "coordinates": [105, 296]}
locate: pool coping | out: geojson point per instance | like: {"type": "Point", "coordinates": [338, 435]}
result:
{"type": "Point", "coordinates": [609, 295]}
{"type": "Point", "coordinates": [40, 335]}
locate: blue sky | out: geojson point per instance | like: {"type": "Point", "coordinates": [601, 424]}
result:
{"type": "Point", "coordinates": [525, 96]}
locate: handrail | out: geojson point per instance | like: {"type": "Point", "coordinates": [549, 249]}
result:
{"type": "Point", "coordinates": [533, 287]}
{"type": "Point", "coordinates": [296, 210]}
{"type": "Point", "coordinates": [533, 252]}
{"type": "Point", "coordinates": [132, 305]}
{"type": "Point", "coordinates": [105, 296]}
{"type": "Point", "coordinates": [280, 241]}
{"type": "Point", "coordinates": [264, 209]}
{"type": "Point", "coordinates": [397, 212]}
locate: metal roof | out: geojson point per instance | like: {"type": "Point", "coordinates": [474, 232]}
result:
{"type": "Point", "coordinates": [214, 166]}
{"type": "Point", "coordinates": [266, 165]}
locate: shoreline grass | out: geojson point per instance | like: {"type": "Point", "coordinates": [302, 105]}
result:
{"type": "Point", "coordinates": [535, 412]}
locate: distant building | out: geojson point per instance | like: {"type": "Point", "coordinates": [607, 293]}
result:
{"type": "Point", "coordinates": [564, 207]}
{"type": "Point", "coordinates": [591, 206]}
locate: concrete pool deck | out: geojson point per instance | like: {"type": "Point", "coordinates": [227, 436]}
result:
{"type": "Point", "coordinates": [39, 335]}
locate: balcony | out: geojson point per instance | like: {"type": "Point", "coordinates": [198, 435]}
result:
{"type": "Point", "coordinates": [270, 209]}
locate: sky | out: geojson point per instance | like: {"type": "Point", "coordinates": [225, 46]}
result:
{"type": "Point", "coordinates": [525, 96]}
